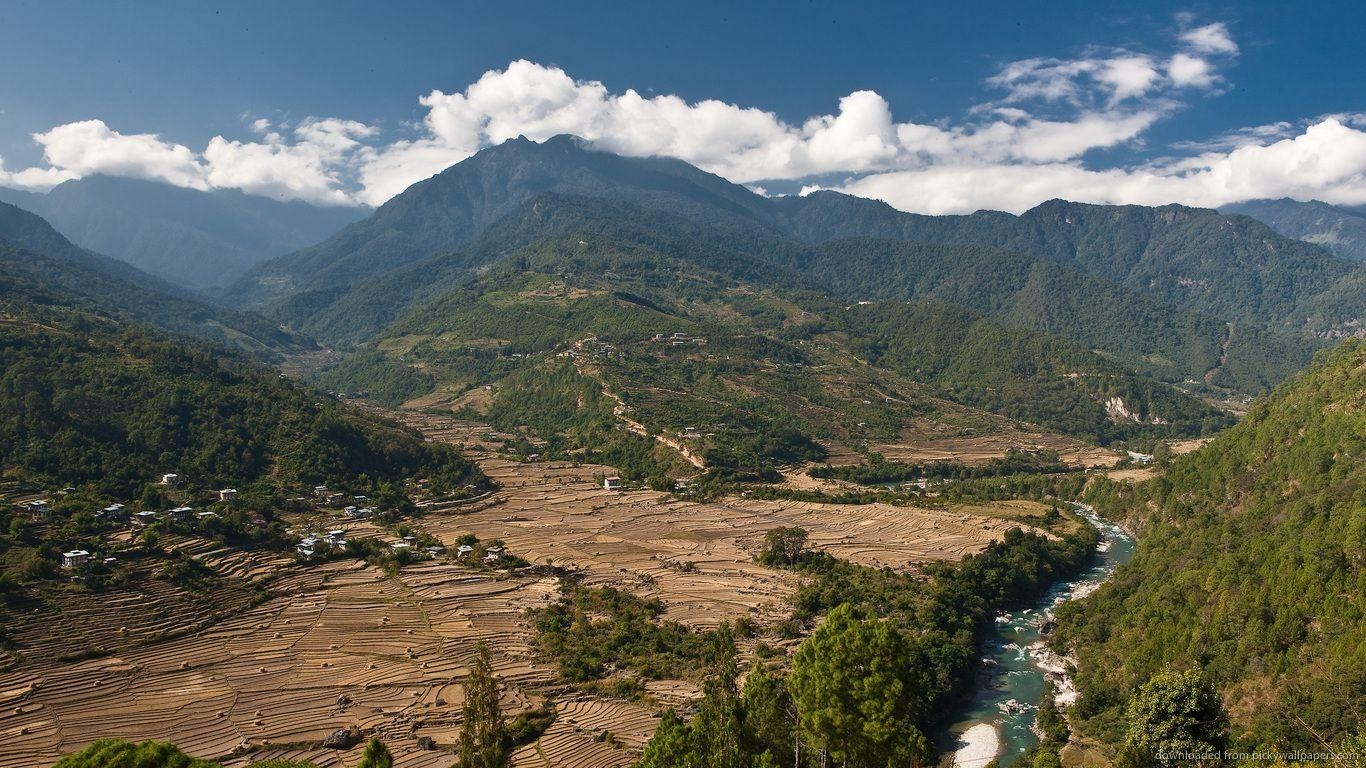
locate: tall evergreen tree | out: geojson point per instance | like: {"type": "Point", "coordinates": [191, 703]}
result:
{"type": "Point", "coordinates": [718, 727]}
{"type": "Point", "coordinates": [849, 682]}
{"type": "Point", "coordinates": [483, 734]}
{"type": "Point", "coordinates": [376, 755]}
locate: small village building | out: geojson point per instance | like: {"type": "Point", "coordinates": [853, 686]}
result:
{"type": "Point", "coordinates": [205, 516]}
{"type": "Point", "coordinates": [227, 494]}
{"type": "Point", "coordinates": [336, 538]}
{"type": "Point", "coordinates": [146, 517]}
{"type": "Point", "coordinates": [401, 546]}
{"type": "Point", "coordinates": [75, 558]}
{"type": "Point", "coordinates": [180, 514]}
{"type": "Point", "coordinates": [435, 550]}
{"type": "Point", "coordinates": [612, 483]}
{"type": "Point", "coordinates": [320, 490]}
{"type": "Point", "coordinates": [170, 478]}
{"type": "Point", "coordinates": [307, 547]}
{"type": "Point", "coordinates": [493, 555]}
{"type": "Point", "coordinates": [359, 514]}
{"type": "Point", "coordinates": [38, 510]}
{"type": "Point", "coordinates": [463, 550]}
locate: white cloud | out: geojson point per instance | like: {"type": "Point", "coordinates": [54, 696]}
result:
{"type": "Point", "coordinates": [1186, 70]}
{"type": "Point", "coordinates": [1038, 138]}
{"type": "Point", "coordinates": [1326, 161]}
{"type": "Point", "coordinates": [1211, 38]}
{"type": "Point", "coordinates": [35, 179]}
{"type": "Point", "coordinates": [90, 147]}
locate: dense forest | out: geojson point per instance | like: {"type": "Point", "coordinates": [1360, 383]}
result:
{"type": "Point", "coordinates": [93, 401]}
{"type": "Point", "coordinates": [1249, 571]}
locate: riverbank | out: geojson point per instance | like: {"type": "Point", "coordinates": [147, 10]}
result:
{"type": "Point", "coordinates": [999, 722]}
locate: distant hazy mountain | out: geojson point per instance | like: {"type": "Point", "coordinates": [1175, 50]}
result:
{"type": "Point", "coordinates": [1341, 230]}
{"type": "Point", "coordinates": [202, 240]}
{"type": "Point", "coordinates": [33, 253]}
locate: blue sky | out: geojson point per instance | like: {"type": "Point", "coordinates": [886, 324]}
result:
{"type": "Point", "coordinates": [937, 107]}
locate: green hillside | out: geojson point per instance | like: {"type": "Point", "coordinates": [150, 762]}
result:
{"type": "Point", "coordinates": [1182, 294]}
{"type": "Point", "coordinates": [1251, 566]}
{"type": "Point", "coordinates": [91, 400]}
{"type": "Point", "coordinates": [766, 374]}
{"type": "Point", "coordinates": [31, 248]}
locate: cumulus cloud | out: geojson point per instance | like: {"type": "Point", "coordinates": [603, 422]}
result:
{"type": "Point", "coordinates": [90, 147]}
{"type": "Point", "coordinates": [1040, 134]}
{"type": "Point", "coordinates": [1211, 38]}
{"type": "Point", "coordinates": [1326, 161]}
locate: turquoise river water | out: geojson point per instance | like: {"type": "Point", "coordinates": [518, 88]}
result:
{"type": "Point", "coordinates": [999, 723]}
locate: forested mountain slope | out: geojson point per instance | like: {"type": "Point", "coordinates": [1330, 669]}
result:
{"type": "Point", "coordinates": [1231, 267]}
{"type": "Point", "coordinates": [91, 400]}
{"type": "Point", "coordinates": [459, 203]}
{"type": "Point", "coordinates": [1337, 229]}
{"type": "Point", "coordinates": [197, 239]}
{"type": "Point", "coordinates": [769, 361]}
{"type": "Point", "coordinates": [1181, 293]}
{"type": "Point", "coordinates": [1251, 566]}
{"type": "Point", "coordinates": [32, 248]}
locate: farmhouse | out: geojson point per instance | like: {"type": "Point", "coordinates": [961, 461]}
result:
{"type": "Point", "coordinates": [227, 494]}
{"type": "Point", "coordinates": [170, 478]}
{"type": "Point", "coordinates": [75, 558]}
{"type": "Point", "coordinates": [307, 547]}
{"type": "Point", "coordinates": [612, 483]}
{"type": "Point", "coordinates": [463, 550]}
{"type": "Point", "coordinates": [179, 513]}
{"type": "Point", "coordinates": [112, 513]}
{"type": "Point", "coordinates": [146, 517]}
{"type": "Point", "coordinates": [493, 555]}
{"type": "Point", "coordinates": [38, 510]}
{"type": "Point", "coordinates": [336, 538]}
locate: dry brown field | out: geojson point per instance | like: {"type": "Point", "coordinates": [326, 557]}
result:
{"type": "Point", "coordinates": [344, 644]}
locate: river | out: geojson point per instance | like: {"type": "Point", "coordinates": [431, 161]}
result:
{"type": "Point", "coordinates": [1000, 720]}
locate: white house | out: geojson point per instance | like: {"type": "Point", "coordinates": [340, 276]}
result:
{"type": "Point", "coordinates": [493, 554]}
{"type": "Point", "coordinates": [227, 494]}
{"type": "Point", "coordinates": [336, 538]}
{"type": "Point", "coordinates": [75, 558]}
{"type": "Point", "coordinates": [463, 550]}
{"type": "Point", "coordinates": [612, 483]}
{"type": "Point", "coordinates": [37, 510]}
{"type": "Point", "coordinates": [170, 478]}
{"type": "Point", "coordinates": [145, 517]}
{"type": "Point", "coordinates": [179, 513]}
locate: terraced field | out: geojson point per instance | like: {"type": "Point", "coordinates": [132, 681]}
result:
{"type": "Point", "coordinates": [346, 645]}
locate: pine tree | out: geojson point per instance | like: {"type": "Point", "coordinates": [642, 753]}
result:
{"type": "Point", "coordinates": [717, 729]}
{"type": "Point", "coordinates": [483, 735]}
{"type": "Point", "coordinates": [376, 755]}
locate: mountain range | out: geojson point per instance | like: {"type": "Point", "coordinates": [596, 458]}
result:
{"type": "Point", "coordinates": [33, 253]}
{"type": "Point", "coordinates": [1180, 293]}
{"type": "Point", "coordinates": [1341, 230]}
{"type": "Point", "coordinates": [202, 240]}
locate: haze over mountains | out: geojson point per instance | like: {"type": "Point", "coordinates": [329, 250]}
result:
{"type": "Point", "coordinates": [1340, 230]}
{"type": "Point", "coordinates": [35, 254]}
{"type": "Point", "coordinates": [197, 239]}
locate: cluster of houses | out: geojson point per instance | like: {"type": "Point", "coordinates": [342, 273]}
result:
{"type": "Point", "coordinates": [679, 339]}
{"type": "Point", "coordinates": [40, 510]}
{"type": "Point", "coordinates": [311, 543]}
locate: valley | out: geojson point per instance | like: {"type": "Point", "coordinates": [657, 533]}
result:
{"type": "Point", "coordinates": [630, 465]}
{"type": "Point", "coordinates": [341, 644]}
